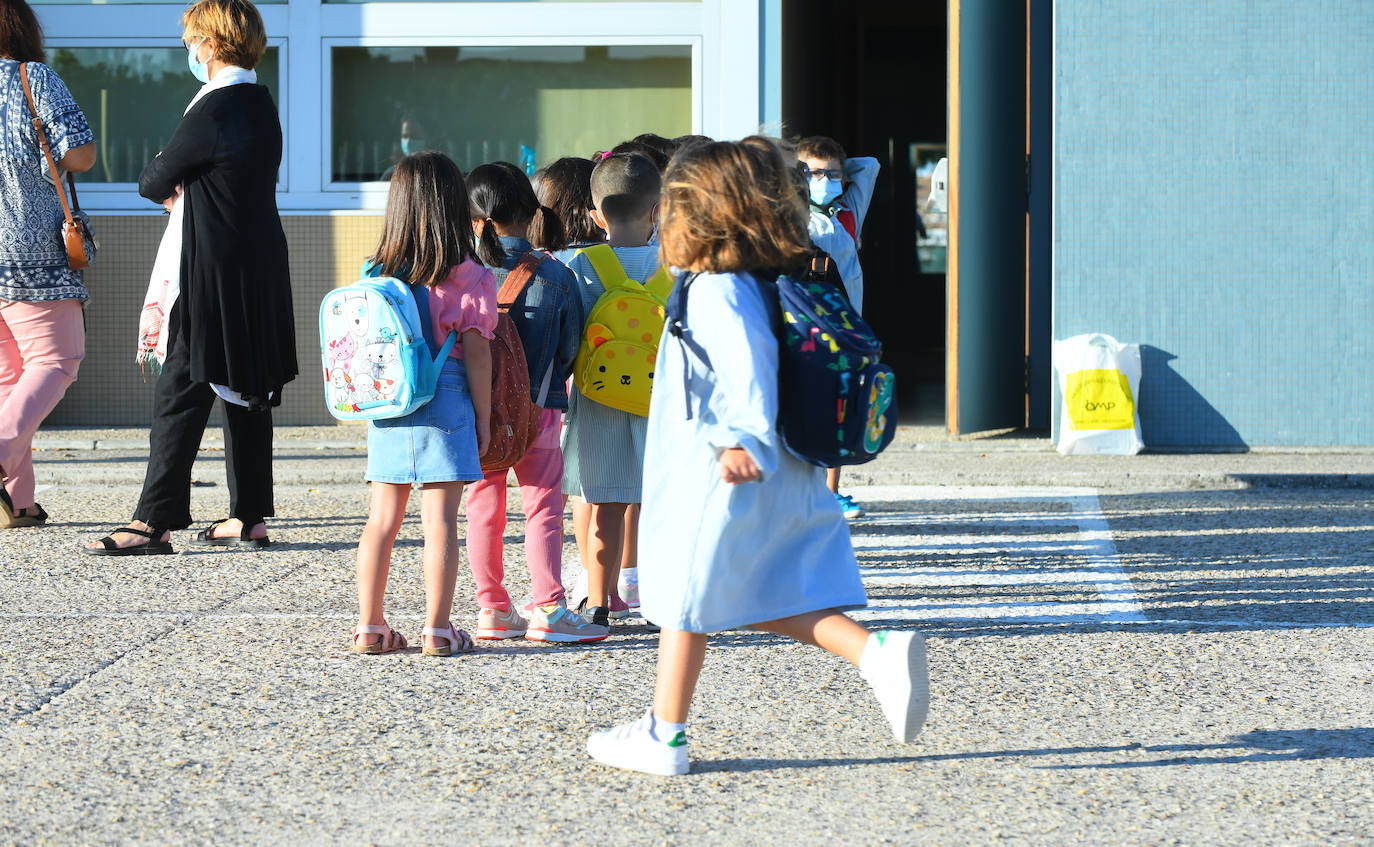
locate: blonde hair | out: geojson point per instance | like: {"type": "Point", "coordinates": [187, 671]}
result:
{"type": "Point", "coordinates": [234, 26]}
{"type": "Point", "coordinates": [733, 206]}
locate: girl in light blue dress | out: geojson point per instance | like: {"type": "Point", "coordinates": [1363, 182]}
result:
{"type": "Point", "coordinates": [736, 531]}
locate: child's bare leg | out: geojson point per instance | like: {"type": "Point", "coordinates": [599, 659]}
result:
{"type": "Point", "coordinates": [582, 522]}
{"type": "Point", "coordinates": [374, 552]}
{"type": "Point", "coordinates": [829, 630]}
{"type": "Point", "coordinates": [680, 656]}
{"type": "Point", "coordinates": [439, 515]}
{"type": "Point", "coordinates": [629, 555]}
{"type": "Point", "coordinates": [832, 480]}
{"type": "Point", "coordinates": [607, 534]}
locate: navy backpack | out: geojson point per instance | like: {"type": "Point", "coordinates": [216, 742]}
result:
{"type": "Point", "coordinates": [835, 399]}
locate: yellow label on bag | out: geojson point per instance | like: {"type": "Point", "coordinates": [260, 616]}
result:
{"type": "Point", "coordinates": [1100, 399]}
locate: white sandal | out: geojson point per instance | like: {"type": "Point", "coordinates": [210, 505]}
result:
{"type": "Point", "coordinates": [458, 641]}
{"type": "Point", "coordinates": [384, 631]}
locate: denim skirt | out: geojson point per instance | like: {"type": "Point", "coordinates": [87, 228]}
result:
{"type": "Point", "coordinates": [435, 443]}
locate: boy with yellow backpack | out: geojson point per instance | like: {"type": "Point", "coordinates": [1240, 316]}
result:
{"type": "Point", "coordinates": [603, 440]}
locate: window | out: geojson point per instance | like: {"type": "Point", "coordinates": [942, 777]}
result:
{"type": "Point", "coordinates": [488, 103]}
{"type": "Point", "coordinates": [133, 98]}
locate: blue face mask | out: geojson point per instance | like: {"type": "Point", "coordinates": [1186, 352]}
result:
{"type": "Point", "coordinates": [824, 192]}
{"type": "Point", "coordinates": [199, 70]}
{"type": "Point", "coordinates": [412, 145]}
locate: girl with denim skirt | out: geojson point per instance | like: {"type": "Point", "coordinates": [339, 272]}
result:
{"type": "Point", "coordinates": [547, 313]}
{"type": "Point", "coordinates": [427, 240]}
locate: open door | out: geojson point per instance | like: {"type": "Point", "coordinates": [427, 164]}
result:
{"type": "Point", "coordinates": [988, 291]}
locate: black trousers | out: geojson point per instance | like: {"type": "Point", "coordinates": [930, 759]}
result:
{"type": "Point", "coordinates": [181, 409]}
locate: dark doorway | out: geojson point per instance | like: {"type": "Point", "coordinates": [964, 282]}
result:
{"type": "Point", "coordinates": [873, 76]}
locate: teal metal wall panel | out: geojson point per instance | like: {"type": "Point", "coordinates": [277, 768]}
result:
{"type": "Point", "coordinates": [1214, 201]}
{"type": "Point", "coordinates": [992, 215]}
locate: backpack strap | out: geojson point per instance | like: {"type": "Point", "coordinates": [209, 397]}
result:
{"type": "Point", "coordinates": [420, 294]}
{"type": "Point", "coordinates": [517, 279]}
{"type": "Point", "coordinates": [660, 284]}
{"type": "Point", "coordinates": [675, 319]}
{"type": "Point", "coordinates": [607, 266]}
{"type": "Point", "coordinates": [846, 219]}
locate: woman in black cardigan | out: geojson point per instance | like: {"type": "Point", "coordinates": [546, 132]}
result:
{"type": "Point", "coordinates": [231, 330]}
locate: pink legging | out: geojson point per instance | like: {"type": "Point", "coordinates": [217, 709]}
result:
{"type": "Point", "coordinates": [540, 474]}
{"type": "Point", "coordinates": [41, 347]}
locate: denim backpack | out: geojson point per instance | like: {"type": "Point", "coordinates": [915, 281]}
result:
{"type": "Point", "coordinates": [379, 360]}
{"type": "Point", "coordinates": [835, 399]}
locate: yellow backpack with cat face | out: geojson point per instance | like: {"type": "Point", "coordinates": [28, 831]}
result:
{"type": "Point", "coordinates": [615, 364]}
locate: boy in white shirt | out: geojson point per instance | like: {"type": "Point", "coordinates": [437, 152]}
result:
{"type": "Point", "coordinates": [840, 190]}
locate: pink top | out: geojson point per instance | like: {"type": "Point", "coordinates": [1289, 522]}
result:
{"type": "Point", "coordinates": [465, 300]}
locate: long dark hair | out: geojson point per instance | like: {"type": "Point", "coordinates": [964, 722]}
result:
{"type": "Point", "coordinates": [428, 229]}
{"type": "Point", "coordinates": [566, 187]}
{"type": "Point", "coordinates": [500, 193]}
{"type": "Point", "coordinates": [21, 37]}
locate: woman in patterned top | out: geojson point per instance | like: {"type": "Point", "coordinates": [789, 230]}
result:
{"type": "Point", "coordinates": [42, 339]}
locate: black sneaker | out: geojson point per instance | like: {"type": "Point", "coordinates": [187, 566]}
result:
{"type": "Point", "coordinates": [598, 615]}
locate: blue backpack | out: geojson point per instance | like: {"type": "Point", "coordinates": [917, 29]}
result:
{"type": "Point", "coordinates": [378, 355]}
{"type": "Point", "coordinates": [835, 399]}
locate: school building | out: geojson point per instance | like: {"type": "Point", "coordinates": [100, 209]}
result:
{"type": "Point", "coordinates": [1197, 178]}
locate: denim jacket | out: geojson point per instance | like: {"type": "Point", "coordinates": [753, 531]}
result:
{"type": "Point", "coordinates": [548, 316]}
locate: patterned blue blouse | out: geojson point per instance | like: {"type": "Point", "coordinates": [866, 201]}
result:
{"type": "Point", "coordinates": [33, 259]}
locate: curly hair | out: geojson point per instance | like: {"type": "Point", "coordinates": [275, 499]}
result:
{"type": "Point", "coordinates": [733, 206]}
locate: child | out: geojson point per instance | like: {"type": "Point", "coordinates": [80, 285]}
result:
{"type": "Point", "coordinates": [566, 187]}
{"type": "Point", "coordinates": [603, 448]}
{"type": "Point", "coordinates": [743, 533]}
{"type": "Point", "coordinates": [548, 315]}
{"type": "Point", "coordinates": [427, 241]}
{"type": "Point", "coordinates": [840, 189]}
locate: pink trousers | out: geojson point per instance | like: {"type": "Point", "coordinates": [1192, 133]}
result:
{"type": "Point", "coordinates": [41, 346]}
{"type": "Point", "coordinates": [540, 474]}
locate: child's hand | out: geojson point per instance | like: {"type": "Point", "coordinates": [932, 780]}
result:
{"type": "Point", "coordinates": [736, 466]}
{"type": "Point", "coordinates": [483, 434]}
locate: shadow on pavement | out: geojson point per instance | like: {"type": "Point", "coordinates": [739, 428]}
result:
{"type": "Point", "coordinates": [1260, 746]}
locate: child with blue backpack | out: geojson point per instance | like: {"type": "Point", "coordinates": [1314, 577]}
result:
{"type": "Point", "coordinates": [840, 189]}
{"type": "Point", "coordinates": [744, 533]}
{"type": "Point", "coordinates": [427, 241]}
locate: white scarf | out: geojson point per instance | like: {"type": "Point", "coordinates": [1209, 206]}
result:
{"type": "Point", "coordinates": [165, 284]}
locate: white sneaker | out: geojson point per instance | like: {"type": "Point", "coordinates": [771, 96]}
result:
{"type": "Point", "coordinates": [628, 587]}
{"type": "Point", "coordinates": [894, 664]}
{"type": "Point", "coordinates": [635, 747]}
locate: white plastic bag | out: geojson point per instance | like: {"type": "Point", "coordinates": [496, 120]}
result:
{"type": "Point", "coordinates": [1099, 388]}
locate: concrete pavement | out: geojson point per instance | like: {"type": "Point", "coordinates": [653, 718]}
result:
{"type": "Point", "coordinates": [1124, 650]}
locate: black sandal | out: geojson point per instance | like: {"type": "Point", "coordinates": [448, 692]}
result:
{"type": "Point", "coordinates": [206, 537]}
{"type": "Point", "coordinates": [110, 548]}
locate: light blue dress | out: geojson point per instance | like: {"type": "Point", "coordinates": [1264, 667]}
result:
{"type": "Point", "coordinates": [715, 556]}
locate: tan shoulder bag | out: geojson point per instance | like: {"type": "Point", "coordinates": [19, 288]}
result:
{"type": "Point", "coordinates": [74, 232]}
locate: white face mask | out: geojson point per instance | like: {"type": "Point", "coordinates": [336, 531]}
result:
{"type": "Point", "coordinates": [824, 192]}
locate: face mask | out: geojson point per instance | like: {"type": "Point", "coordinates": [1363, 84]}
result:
{"type": "Point", "coordinates": [199, 70]}
{"type": "Point", "coordinates": [412, 145]}
{"type": "Point", "coordinates": [823, 193]}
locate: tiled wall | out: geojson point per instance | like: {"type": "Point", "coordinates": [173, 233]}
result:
{"type": "Point", "coordinates": [1214, 201]}
{"type": "Point", "coordinates": [111, 391]}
